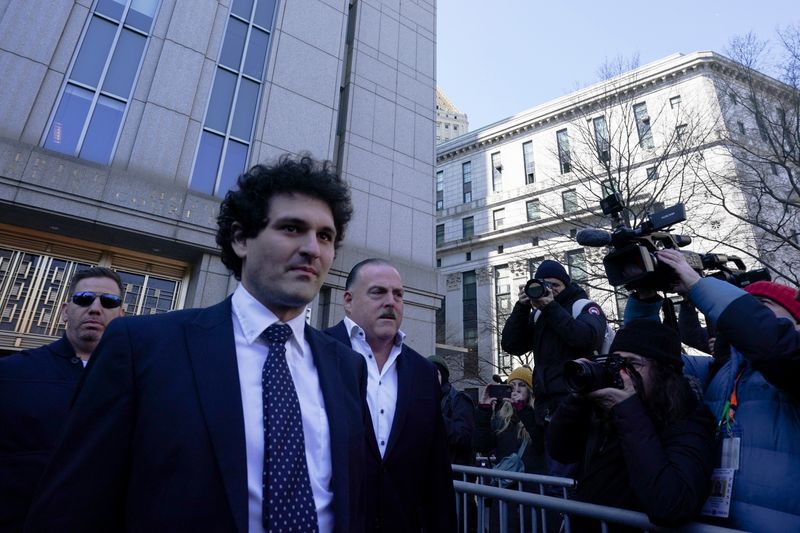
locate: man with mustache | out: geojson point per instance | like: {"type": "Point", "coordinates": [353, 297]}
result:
{"type": "Point", "coordinates": [36, 387]}
{"type": "Point", "coordinates": [233, 418]}
{"type": "Point", "coordinates": [408, 485]}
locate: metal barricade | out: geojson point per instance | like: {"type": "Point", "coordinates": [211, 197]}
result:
{"type": "Point", "coordinates": [541, 503]}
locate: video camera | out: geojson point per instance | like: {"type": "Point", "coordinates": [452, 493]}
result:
{"type": "Point", "coordinates": [632, 261]}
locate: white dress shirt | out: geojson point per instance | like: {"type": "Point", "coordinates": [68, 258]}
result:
{"type": "Point", "coordinates": [381, 384]}
{"type": "Point", "coordinates": [250, 319]}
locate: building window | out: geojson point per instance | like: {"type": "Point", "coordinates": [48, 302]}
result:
{"type": "Point", "coordinates": [652, 173]}
{"type": "Point", "coordinates": [532, 208]}
{"type": "Point", "coordinates": [607, 188]}
{"type": "Point", "coordinates": [675, 102]}
{"type": "Point", "coordinates": [576, 265]}
{"type": "Point", "coordinates": [498, 218]}
{"type": "Point", "coordinates": [455, 127]}
{"type": "Point", "coordinates": [500, 249]}
{"type": "Point", "coordinates": [232, 107]}
{"type": "Point", "coordinates": [733, 98]}
{"type": "Point", "coordinates": [563, 151]}
{"type": "Point", "coordinates": [440, 190]}
{"type": "Point", "coordinates": [503, 306]}
{"type": "Point", "coordinates": [466, 181]}
{"type": "Point", "coordinates": [468, 256]}
{"type": "Point", "coordinates": [643, 125]}
{"type": "Point", "coordinates": [533, 264]}
{"type": "Point", "coordinates": [527, 157]}
{"type": "Point", "coordinates": [441, 323]}
{"type": "Point", "coordinates": [601, 139]}
{"type": "Point", "coordinates": [680, 132]}
{"type": "Point", "coordinates": [438, 262]}
{"type": "Point", "coordinates": [439, 234]}
{"type": "Point", "coordinates": [741, 127]}
{"type": "Point", "coordinates": [469, 301]}
{"type": "Point", "coordinates": [762, 128]}
{"type": "Point", "coordinates": [467, 227]}
{"type": "Point", "coordinates": [497, 173]}
{"type": "Point", "coordinates": [534, 241]}
{"type": "Point", "coordinates": [569, 199]}
{"type": "Point", "coordinates": [573, 232]}
{"type": "Point", "coordinates": [95, 97]}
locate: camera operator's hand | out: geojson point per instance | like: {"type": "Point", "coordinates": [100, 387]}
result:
{"type": "Point", "coordinates": [486, 400]}
{"type": "Point", "coordinates": [546, 298]}
{"type": "Point", "coordinates": [523, 298]}
{"type": "Point", "coordinates": [675, 260]}
{"type": "Point", "coordinates": [609, 397]}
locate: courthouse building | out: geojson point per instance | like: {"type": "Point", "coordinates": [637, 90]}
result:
{"type": "Point", "coordinates": [515, 192]}
{"type": "Point", "coordinates": [124, 122]}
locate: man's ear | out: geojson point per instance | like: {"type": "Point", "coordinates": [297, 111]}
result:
{"type": "Point", "coordinates": [238, 241]}
{"type": "Point", "coordinates": [348, 303]}
{"type": "Point", "coordinates": [64, 312]}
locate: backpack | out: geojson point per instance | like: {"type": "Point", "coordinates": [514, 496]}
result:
{"type": "Point", "coordinates": [577, 307]}
{"type": "Point", "coordinates": [511, 463]}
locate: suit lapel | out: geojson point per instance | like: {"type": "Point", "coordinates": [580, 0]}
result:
{"type": "Point", "coordinates": [212, 352]}
{"type": "Point", "coordinates": [405, 388]}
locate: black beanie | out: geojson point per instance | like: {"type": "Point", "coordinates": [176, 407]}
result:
{"type": "Point", "coordinates": [650, 339]}
{"type": "Point", "coordinates": [441, 364]}
{"type": "Point", "coordinates": [552, 269]}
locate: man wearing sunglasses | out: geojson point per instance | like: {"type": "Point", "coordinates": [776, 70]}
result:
{"type": "Point", "coordinates": [36, 387]}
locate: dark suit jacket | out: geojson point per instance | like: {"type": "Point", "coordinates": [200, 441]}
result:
{"type": "Point", "coordinates": [36, 387]}
{"type": "Point", "coordinates": [155, 440]}
{"type": "Point", "coordinates": [411, 488]}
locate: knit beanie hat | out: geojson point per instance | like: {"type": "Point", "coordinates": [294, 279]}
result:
{"type": "Point", "coordinates": [552, 269]}
{"type": "Point", "coordinates": [782, 295]}
{"type": "Point", "coordinates": [523, 374]}
{"type": "Point", "coordinates": [441, 364]}
{"type": "Point", "coordinates": [650, 339]}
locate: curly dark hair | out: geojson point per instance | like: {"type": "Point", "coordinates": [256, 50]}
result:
{"type": "Point", "coordinates": [248, 204]}
{"type": "Point", "coordinates": [671, 397]}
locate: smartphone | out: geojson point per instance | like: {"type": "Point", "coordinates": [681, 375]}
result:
{"type": "Point", "coordinates": [499, 391]}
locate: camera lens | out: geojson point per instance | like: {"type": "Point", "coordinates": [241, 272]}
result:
{"type": "Point", "coordinates": [585, 376]}
{"type": "Point", "coordinates": [535, 288]}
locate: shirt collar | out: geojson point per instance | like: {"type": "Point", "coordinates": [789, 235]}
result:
{"type": "Point", "coordinates": [355, 331]}
{"type": "Point", "coordinates": [254, 317]}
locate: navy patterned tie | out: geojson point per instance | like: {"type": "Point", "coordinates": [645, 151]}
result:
{"type": "Point", "coordinates": [288, 503]}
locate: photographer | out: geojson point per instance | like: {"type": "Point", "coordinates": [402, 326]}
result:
{"type": "Point", "coordinates": [646, 443]}
{"type": "Point", "coordinates": [752, 387]}
{"type": "Point", "coordinates": [546, 326]}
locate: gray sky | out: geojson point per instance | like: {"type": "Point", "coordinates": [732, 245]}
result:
{"type": "Point", "coordinates": [496, 58]}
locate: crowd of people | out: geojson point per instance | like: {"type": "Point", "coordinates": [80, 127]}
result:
{"type": "Point", "coordinates": [242, 417]}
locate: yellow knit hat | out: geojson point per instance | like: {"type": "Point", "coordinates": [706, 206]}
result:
{"type": "Point", "coordinates": [523, 374]}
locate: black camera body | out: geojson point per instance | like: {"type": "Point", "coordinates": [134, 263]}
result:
{"type": "Point", "coordinates": [632, 262]}
{"type": "Point", "coordinates": [600, 372]}
{"type": "Point", "coordinates": [536, 288]}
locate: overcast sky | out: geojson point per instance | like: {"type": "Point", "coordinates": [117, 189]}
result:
{"type": "Point", "coordinates": [496, 58]}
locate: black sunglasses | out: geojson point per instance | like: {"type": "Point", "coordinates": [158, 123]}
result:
{"type": "Point", "coordinates": [86, 298]}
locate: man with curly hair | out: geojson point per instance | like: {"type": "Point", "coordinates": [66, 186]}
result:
{"type": "Point", "coordinates": [237, 417]}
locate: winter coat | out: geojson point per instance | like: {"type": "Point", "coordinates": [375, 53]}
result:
{"type": "Point", "coordinates": [766, 350]}
{"type": "Point", "coordinates": [628, 463]}
{"type": "Point", "coordinates": [555, 337]}
{"type": "Point", "coordinates": [459, 424]}
{"type": "Point", "coordinates": [503, 444]}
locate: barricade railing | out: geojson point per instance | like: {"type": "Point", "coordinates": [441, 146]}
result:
{"type": "Point", "coordinates": [532, 504]}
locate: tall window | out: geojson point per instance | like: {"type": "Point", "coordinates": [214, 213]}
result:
{"type": "Point", "coordinates": [601, 139]}
{"type": "Point", "coordinates": [527, 157]}
{"type": "Point", "coordinates": [569, 199]}
{"type": "Point", "coordinates": [643, 125]}
{"type": "Point", "coordinates": [503, 305]}
{"type": "Point", "coordinates": [532, 209]}
{"type": "Point", "coordinates": [675, 102]}
{"type": "Point", "coordinates": [680, 132]}
{"type": "Point", "coordinates": [469, 300]}
{"type": "Point", "coordinates": [439, 234]}
{"type": "Point", "coordinates": [440, 190]}
{"type": "Point", "coordinates": [88, 118]}
{"type": "Point", "coordinates": [533, 264]}
{"type": "Point", "coordinates": [607, 188]}
{"type": "Point", "coordinates": [441, 323]}
{"type": "Point", "coordinates": [497, 173]}
{"type": "Point", "coordinates": [498, 218]}
{"type": "Point", "coordinates": [466, 181]}
{"type": "Point", "coordinates": [467, 227]}
{"type": "Point", "coordinates": [228, 125]}
{"type": "Point", "coordinates": [563, 151]}
{"type": "Point", "coordinates": [576, 265]}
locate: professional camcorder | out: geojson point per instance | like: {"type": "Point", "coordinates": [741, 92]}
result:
{"type": "Point", "coordinates": [601, 372]}
{"type": "Point", "coordinates": [632, 261]}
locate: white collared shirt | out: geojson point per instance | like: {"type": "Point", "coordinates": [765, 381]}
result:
{"type": "Point", "coordinates": [381, 384]}
{"type": "Point", "coordinates": [250, 319]}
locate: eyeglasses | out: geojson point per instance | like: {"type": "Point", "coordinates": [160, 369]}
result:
{"type": "Point", "coordinates": [86, 298]}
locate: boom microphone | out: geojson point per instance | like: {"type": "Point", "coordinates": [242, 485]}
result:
{"type": "Point", "coordinates": [593, 237]}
